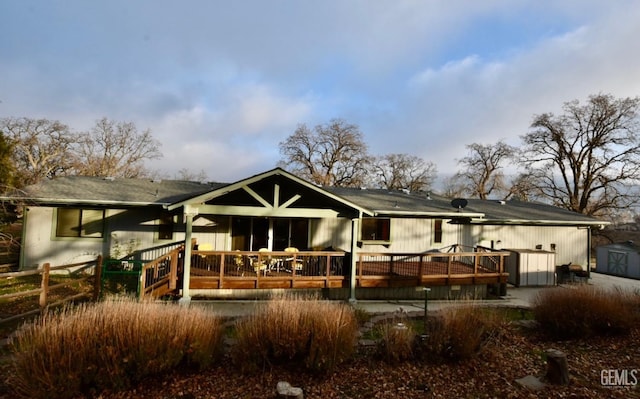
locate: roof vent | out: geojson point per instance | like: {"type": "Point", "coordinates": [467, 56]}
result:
{"type": "Point", "coordinates": [502, 202]}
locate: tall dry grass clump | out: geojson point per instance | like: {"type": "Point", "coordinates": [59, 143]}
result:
{"type": "Point", "coordinates": [586, 311]}
{"type": "Point", "coordinates": [292, 329]}
{"type": "Point", "coordinates": [110, 345]}
{"type": "Point", "coordinates": [397, 340]}
{"type": "Point", "coordinates": [461, 332]}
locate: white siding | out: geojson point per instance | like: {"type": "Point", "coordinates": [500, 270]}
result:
{"type": "Point", "coordinates": [570, 242]}
{"type": "Point", "coordinates": [40, 245]}
{"type": "Point", "coordinates": [334, 232]}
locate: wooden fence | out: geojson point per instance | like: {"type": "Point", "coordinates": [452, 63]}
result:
{"type": "Point", "coordinates": [46, 287]}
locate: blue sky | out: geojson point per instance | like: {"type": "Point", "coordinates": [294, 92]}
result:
{"type": "Point", "coordinates": [221, 83]}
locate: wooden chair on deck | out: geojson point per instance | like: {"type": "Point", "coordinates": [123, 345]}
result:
{"type": "Point", "coordinates": [260, 264]}
{"type": "Point", "coordinates": [294, 262]}
{"type": "Point", "coordinates": [205, 247]}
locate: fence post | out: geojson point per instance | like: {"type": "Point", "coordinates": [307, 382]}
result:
{"type": "Point", "coordinates": [44, 286]}
{"type": "Point", "coordinates": [97, 278]}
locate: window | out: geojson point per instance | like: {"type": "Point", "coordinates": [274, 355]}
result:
{"type": "Point", "coordinates": [73, 222]}
{"type": "Point", "coordinates": [165, 226]}
{"type": "Point", "coordinates": [437, 231]}
{"type": "Point", "coordinates": [374, 229]}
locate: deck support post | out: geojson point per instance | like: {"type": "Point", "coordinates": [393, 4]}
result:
{"type": "Point", "coordinates": [355, 228]}
{"type": "Point", "coordinates": [189, 213]}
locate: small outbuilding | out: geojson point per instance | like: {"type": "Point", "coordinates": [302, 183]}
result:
{"type": "Point", "coordinates": [530, 267]}
{"type": "Point", "coordinates": [619, 259]}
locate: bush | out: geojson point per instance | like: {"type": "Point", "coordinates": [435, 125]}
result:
{"type": "Point", "coordinates": [585, 311]}
{"type": "Point", "coordinates": [461, 332]}
{"type": "Point", "coordinates": [110, 345]}
{"type": "Point", "coordinates": [295, 330]}
{"type": "Point", "coordinates": [397, 339]}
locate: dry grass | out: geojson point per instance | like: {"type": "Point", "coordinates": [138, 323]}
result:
{"type": "Point", "coordinates": [586, 311]}
{"type": "Point", "coordinates": [295, 330]}
{"type": "Point", "coordinates": [397, 339]}
{"type": "Point", "coordinates": [461, 332]}
{"type": "Point", "coordinates": [110, 345]}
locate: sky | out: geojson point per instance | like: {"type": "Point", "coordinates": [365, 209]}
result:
{"type": "Point", "coordinates": [221, 83]}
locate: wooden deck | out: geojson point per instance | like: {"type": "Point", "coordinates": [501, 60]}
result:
{"type": "Point", "coordinates": [323, 269]}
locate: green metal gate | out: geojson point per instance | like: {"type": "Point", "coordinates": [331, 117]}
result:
{"type": "Point", "coordinates": [121, 277]}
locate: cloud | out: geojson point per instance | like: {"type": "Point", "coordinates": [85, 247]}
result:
{"type": "Point", "coordinates": [220, 84]}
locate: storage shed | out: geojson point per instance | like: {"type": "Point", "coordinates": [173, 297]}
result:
{"type": "Point", "coordinates": [531, 267]}
{"type": "Point", "coordinates": [621, 259]}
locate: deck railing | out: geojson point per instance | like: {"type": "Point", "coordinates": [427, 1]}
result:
{"type": "Point", "coordinates": [432, 267]}
{"type": "Point", "coordinates": [326, 269]}
{"type": "Point", "coordinates": [268, 264]}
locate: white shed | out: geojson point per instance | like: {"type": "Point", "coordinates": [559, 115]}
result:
{"type": "Point", "coordinates": [531, 267]}
{"type": "Point", "coordinates": [622, 259]}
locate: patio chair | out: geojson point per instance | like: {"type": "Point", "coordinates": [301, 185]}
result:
{"type": "Point", "coordinates": [205, 247]}
{"type": "Point", "coordinates": [239, 261]}
{"type": "Point", "coordinates": [261, 264]}
{"type": "Point", "coordinates": [294, 262]}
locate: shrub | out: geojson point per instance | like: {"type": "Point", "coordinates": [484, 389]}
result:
{"type": "Point", "coordinates": [296, 330]}
{"type": "Point", "coordinates": [585, 311]}
{"type": "Point", "coordinates": [397, 339]}
{"type": "Point", "coordinates": [110, 345]}
{"type": "Point", "coordinates": [461, 332]}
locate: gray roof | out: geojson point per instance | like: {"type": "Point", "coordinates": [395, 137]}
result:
{"type": "Point", "coordinates": [97, 191]}
{"type": "Point", "coordinates": [398, 203]}
{"type": "Point", "coordinates": [112, 191]}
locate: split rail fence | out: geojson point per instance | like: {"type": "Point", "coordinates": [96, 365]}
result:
{"type": "Point", "coordinates": [44, 291]}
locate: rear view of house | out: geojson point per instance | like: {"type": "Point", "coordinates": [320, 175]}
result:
{"type": "Point", "coordinates": [277, 231]}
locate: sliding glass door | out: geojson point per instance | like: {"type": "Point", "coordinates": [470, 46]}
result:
{"type": "Point", "coordinates": [275, 234]}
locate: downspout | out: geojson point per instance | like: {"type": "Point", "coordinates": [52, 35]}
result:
{"type": "Point", "coordinates": [588, 252]}
{"type": "Point", "coordinates": [189, 213]}
{"type": "Point", "coordinates": [355, 228]}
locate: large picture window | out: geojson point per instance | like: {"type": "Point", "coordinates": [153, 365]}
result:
{"type": "Point", "coordinates": [74, 222]}
{"type": "Point", "coordinates": [375, 229]}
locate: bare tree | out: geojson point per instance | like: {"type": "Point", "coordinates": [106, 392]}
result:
{"type": "Point", "coordinates": [41, 148]}
{"type": "Point", "coordinates": [404, 171]}
{"type": "Point", "coordinates": [186, 174]}
{"type": "Point", "coordinates": [332, 154]}
{"type": "Point", "coordinates": [7, 170]}
{"type": "Point", "coordinates": [482, 171]}
{"type": "Point", "coordinates": [587, 159]}
{"type": "Point", "coordinates": [116, 149]}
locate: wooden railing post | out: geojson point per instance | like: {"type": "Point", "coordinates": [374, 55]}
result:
{"type": "Point", "coordinates": [143, 281]}
{"type": "Point", "coordinates": [44, 286]}
{"type": "Point", "coordinates": [97, 278]}
{"type": "Point", "coordinates": [420, 268]}
{"type": "Point", "coordinates": [173, 269]}
{"type": "Point", "coordinates": [476, 259]}
{"type": "Point", "coordinates": [222, 267]}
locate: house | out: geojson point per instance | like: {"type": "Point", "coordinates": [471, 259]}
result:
{"type": "Point", "coordinates": [348, 238]}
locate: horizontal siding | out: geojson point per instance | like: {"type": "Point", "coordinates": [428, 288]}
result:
{"type": "Point", "coordinates": [570, 242]}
